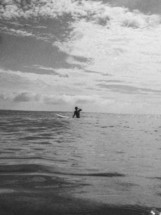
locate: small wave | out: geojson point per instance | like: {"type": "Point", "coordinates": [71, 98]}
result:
{"type": "Point", "coordinates": [23, 168]}
{"type": "Point", "coordinates": [101, 174]}
{"type": "Point", "coordinates": [45, 143]}
{"type": "Point", "coordinates": [158, 178]}
{"type": "Point", "coordinates": [34, 138]}
{"type": "Point", "coordinates": [33, 168]}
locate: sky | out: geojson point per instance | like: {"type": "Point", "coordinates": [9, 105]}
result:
{"type": "Point", "coordinates": [99, 55]}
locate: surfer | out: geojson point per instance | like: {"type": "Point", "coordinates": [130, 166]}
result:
{"type": "Point", "coordinates": [77, 112]}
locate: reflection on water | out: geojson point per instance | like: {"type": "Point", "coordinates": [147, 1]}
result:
{"type": "Point", "coordinates": [115, 158]}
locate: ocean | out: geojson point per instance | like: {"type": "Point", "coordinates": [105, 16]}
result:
{"type": "Point", "coordinates": [50, 165]}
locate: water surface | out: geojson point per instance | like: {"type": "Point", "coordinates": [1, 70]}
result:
{"type": "Point", "coordinates": [112, 159]}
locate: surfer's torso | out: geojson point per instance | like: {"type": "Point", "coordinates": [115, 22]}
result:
{"type": "Point", "coordinates": [77, 113]}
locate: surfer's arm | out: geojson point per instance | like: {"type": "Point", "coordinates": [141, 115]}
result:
{"type": "Point", "coordinates": [74, 115]}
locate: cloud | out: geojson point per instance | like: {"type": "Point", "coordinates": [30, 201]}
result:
{"type": "Point", "coordinates": [100, 13]}
{"type": "Point", "coordinates": [10, 80]}
{"type": "Point", "coordinates": [52, 99]}
{"type": "Point", "coordinates": [56, 100]}
{"type": "Point", "coordinates": [145, 6]}
{"type": "Point", "coordinates": [42, 70]}
{"type": "Point", "coordinates": [86, 100]}
{"type": "Point", "coordinates": [78, 61]}
{"type": "Point", "coordinates": [19, 97]}
{"type": "Point", "coordinates": [51, 71]}
{"type": "Point", "coordinates": [69, 99]}
{"type": "Point", "coordinates": [3, 97]}
{"type": "Point", "coordinates": [86, 41]}
{"type": "Point", "coordinates": [16, 32]}
{"type": "Point", "coordinates": [23, 33]}
{"type": "Point", "coordinates": [26, 97]}
{"type": "Point", "coordinates": [36, 101]}
{"type": "Point", "coordinates": [92, 42]}
{"type": "Point", "coordinates": [128, 89]}
{"type": "Point", "coordinates": [10, 9]}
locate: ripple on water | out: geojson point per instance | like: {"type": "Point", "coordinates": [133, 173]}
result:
{"type": "Point", "coordinates": [102, 150]}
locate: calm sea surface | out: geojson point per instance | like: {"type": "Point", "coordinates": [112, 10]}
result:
{"type": "Point", "coordinates": [114, 159]}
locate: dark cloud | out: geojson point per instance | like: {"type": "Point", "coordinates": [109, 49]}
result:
{"type": "Point", "coordinates": [18, 49]}
{"type": "Point", "coordinates": [91, 72]}
{"type": "Point", "coordinates": [103, 21]}
{"type": "Point", "coordinates": [79, 62]}
{"type": "Point", "coordinates": [20, 4]}
{"type": "Point", "coordinates": [25, 97]}
{"type": "Point", "coordinates": [82, 101]}
{"type": "Point", "coordinates": [119, 88]}
{"type": "Point", "coordinates": [43, 71]}
{"type": "Point", "coordinates": [2, 97]}
{"type": "Point", "coordinates": [82, 59]}
{"type": "Point", "coordinates": [18, 53]}
{"type": "Point", "coordinates": [110, 81]}
{"type": "Point", "coordinates": [54, 100]}
{"type": "Point", "coordinates": [106, 74]}
{"type": "Point", "coordinates": [119, 51]}
{"type": "Point", "coordinates": [28, 15]}
{"type": "Point", "coordinates": [130, 24]}
{"type": "Point", "coordinates": [19, 97]}
{"type": "Point", "coordinates": [1, 40]}
{"type": "Point", "coordinates": [145, 6]}
{"type": "Point", "coordinates": [127, 89]}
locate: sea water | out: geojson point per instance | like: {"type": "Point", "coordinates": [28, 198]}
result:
{"type": "Point", "coordinates": [110, 158]}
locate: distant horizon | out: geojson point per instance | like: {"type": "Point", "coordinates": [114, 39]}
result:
{"type": "Point", "coordinates": [86, 112]}
{"type": "Point", "coordinates": [101, 55]}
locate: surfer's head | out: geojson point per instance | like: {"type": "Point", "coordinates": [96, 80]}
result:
{"type": "Point", "coordinates": [76, 108]}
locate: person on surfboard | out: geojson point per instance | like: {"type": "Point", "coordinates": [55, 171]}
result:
{"type": "Point", "coordinates": [77, 112]}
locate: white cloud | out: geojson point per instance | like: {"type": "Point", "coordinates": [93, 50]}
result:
{"type": "Point", "coordinates": [16, 32]}
{"type": "Point", "coordinates": [35, 9]}
{"type": "Point", "coordinates": [20, 97]}
{"type": "Point", "coordinates": [24, 33]}
{"type": "Point", "coordinates": [92, 10]}
{"type": "Point", "coordinates": [127, 54]}
{"type": "Point", "coordinates": [52, 99]}
{"type": "Point", "coordinates": [73, 100]}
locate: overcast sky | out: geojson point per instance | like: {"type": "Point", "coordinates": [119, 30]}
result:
{"type": "Point", "coordinates": [102, 56]}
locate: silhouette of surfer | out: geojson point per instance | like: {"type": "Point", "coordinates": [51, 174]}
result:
{"type": "Point", "coordinates": [77, 112]}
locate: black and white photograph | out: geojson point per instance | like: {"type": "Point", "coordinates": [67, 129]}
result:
{"type": "Point", "coordinates": [80, 107]}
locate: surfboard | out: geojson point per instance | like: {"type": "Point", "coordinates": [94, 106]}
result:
{"type": "Point", "coordinates": [62, 116]}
